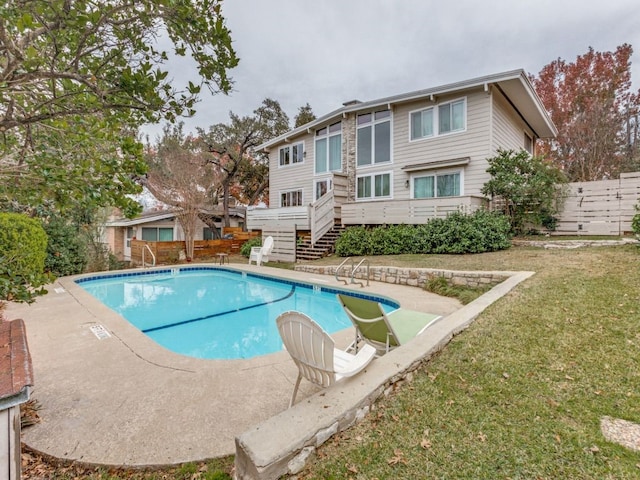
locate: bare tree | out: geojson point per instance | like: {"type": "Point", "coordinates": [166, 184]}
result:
{"type": "Point", "coordinates": [180, 175]}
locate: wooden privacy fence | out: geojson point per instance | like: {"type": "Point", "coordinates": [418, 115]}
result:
{"type": "Point", "coordinates": [604, 207]}
{"type": "Point", "coordinates": [284, 243]}
{"type": "Point", "coordinates": [170, 252]}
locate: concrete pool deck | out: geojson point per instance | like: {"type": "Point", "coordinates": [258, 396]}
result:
{"type": "Point", "coordinates": [125, 400]}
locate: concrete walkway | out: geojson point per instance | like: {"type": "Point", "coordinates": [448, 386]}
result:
{"type": "Point", "coordinates": [124, 400]}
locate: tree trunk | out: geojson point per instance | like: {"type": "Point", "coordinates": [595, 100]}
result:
{"type": "Point", "coordinates": [225, 204]}
{"type": "Point", "coordinates": [188, 219]}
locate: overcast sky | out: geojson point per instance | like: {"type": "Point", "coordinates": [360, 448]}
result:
{"type": "Point", "coordinates": [329, 51]}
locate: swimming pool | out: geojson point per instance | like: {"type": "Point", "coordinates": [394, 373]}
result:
{"type": "Point", "coordinates": [216, 312]}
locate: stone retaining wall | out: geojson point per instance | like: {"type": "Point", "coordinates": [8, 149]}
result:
{"type": "Point", "coordinates": [415, 277]}
{"type": "Point", "coordinates": [574, 243]}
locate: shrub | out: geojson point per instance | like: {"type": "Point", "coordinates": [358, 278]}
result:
{"type": "Point", "coordinates": [245, 250]}
{"type": "Point", "coordinates": [23, 244]}
{"type": "Point", "coordinates": [458, 233]}
{"type": "Point", "coordinates": [66, 248]}
{"type": "Point", "coordinates": [635, 223]}
{"type": "Point", "coordinates": [532, 189]}
{"type": "Point", "coordinates": [354, 241]}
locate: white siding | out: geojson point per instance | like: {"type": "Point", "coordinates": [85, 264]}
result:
{"type": "Point", "coordinates": [508, 126]}
{"type": "Point", "coordinates": [491, 123]}
{"type": "Point", "coordinates": [10, 443]}
{"type": "Point", "coordinates": [292, 177]}
{"type": "Point", "coordinates": [473, 143]}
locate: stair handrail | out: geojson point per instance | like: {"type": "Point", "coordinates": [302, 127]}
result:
{"type": "Point", "coordinates": [357, 267]}
{"type": "Point", "coordinates": [321, 216]}
{"type": "Point", "coordinates": [146, 247]}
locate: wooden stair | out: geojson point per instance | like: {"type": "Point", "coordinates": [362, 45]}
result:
{"type": "Point", "coordinates": [323, 247]}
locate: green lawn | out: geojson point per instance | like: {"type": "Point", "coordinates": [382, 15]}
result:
{"type": "Point", "coordinates": [518, 395]}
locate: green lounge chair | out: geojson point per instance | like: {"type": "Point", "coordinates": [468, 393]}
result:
{"type": "Point", "coordinates": [384, 331]}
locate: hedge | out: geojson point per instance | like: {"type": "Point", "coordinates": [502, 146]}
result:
{"type": "Point", "coordinates": [23, 244]}
{"type": "Point", "coordinates": [458, 233]}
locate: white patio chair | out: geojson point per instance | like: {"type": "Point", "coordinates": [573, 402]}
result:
{"type": "Point", "coordinates": [261, 254]}
{"type": "Point", "coordinates": [314, 352]}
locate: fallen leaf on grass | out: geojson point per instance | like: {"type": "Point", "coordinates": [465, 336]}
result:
{"type": "Point", "coordinates": [398, 457]}
{"type": "Point", "coordinates": [552, 402]}
{"type": "Point", "coordinates": [352, 468]}
{"type": "Point", "coordinates": [426, 444]}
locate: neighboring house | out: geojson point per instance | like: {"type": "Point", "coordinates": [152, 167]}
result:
{"type": "Point", "coordinates": [160, 226]}
{"type": "Point", "coordinates": [401, 159]}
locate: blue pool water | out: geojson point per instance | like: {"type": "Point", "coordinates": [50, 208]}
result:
{"type": "Point", "coordinates": [210, 312]}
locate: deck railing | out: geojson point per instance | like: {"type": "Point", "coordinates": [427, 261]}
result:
{"type": "Point", "coordinates": [298, 217]}
{"type": "Point", "coordinates": [407, 211]}
{"type": "Point", "coordinates": [321, 216]}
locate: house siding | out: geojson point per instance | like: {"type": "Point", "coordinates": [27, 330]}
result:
{"type": "Point", "coordinates": [494, 106]}
{"type": "Point", "coordinates": [292, 177]}
{"type": "Point", "coordinates": [474, 143]}
{"type": "Point", "coordinates": [508, 126]}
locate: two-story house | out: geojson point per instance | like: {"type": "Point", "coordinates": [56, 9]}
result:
{"type": "Point", "coordinates": [401, 159]}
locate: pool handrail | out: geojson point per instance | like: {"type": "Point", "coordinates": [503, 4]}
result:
{"type": "Point", "coordinates": [146, 247]}
{"type": "Point", "coordinates": [353, 270]}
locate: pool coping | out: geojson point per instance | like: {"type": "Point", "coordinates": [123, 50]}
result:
{"type": "Point", "coordinates": [124, 400]}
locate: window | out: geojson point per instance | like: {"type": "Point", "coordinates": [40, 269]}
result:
{"type": "Point", "coordinates": [528, 143]}
{"type": "Point", "coordinates": [292, 154]}
{"type": "Point", "coordinates": [322, 187]}
{"type": "Point", "coordinates": [130, 234]}
{"type": "Point", "coordinates": [422, 124]}
{"type": "Point", "coordinates": [449, 117]}
{"type": "Point", "coordinates": [374, 186]}
{"type": "Point", "coordinates": [437, 185]}
{"type": "Point", "coordinates": [373, 141]}
{"type": "Point", "coordinates": [329, 148]}
{"type": "Point", "coordinates": [207, 233]}
{"type": "Point", "coordinates": [157, 234]}
{"type": "Point", "coordinates": [292, 198]}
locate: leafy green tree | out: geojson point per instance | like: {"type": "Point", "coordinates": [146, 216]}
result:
{"type": "Point", "coordinates": [66, 247]}
{"type": "Point", "coordinates": [78, 77]}
{"type": "Point", "coordinates": [305, 115]}
{"type": "Point", "coordinates": [23, 244]}
{"type": "Point", "coordinates": [530, 188]}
